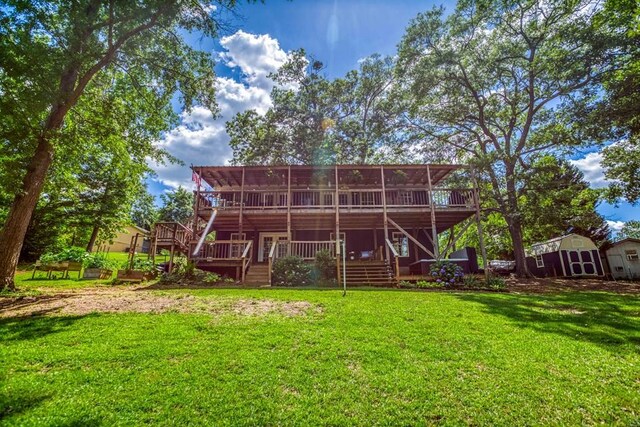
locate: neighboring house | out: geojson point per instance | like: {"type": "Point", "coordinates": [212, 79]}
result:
{"type": "Point", "coordinates": [123, 240]}
{"type": "Point", "coordinates": [386, 216]}
{"type": "Point", "coordinates": [623, 259]}
{"type": "Point", "coordinates": [567, 256]}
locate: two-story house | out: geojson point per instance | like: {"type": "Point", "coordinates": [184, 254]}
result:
{"type": "Point", "coordinates": [381, 219]}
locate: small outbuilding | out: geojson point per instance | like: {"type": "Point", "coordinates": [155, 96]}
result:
{"type": "Point", "coordinates": [566, 256]}
{"type": "Point", "coordinates": [623, 258]}
{"type": "Point", "coordinates": [123, 240]}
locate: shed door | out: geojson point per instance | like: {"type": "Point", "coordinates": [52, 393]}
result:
{"type": "Point", "coordinates": [581, 263]}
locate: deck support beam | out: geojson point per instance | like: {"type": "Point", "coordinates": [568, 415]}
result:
{"type": "Point", "coordinates": [410, 237]}
{"type": "Point", "coordinates": [432, 207]}
{"type": "Point", "coordinates": [240, 214]}
{"type": "Point", "coordinates": [289, 237]}
{"type": "Point", "coordinates": [476, 200]}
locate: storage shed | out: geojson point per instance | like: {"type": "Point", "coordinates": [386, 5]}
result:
{"type": "Point", "coordinates": [567, 256]}
{"type": "Point", "coordinates": [623, 259]}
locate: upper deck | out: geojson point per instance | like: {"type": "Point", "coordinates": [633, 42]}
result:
{"type": "Point", "coordinates": [358, 191]}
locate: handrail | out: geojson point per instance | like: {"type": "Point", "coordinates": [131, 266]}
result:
{"type": "Point", "coordinates": [272, 252]}
{"type": "Point", "coordinates": [246, 262]}
{"type": "Point", "coordinates": [396, 258]}
{"type": "Point", "coordinates": [221, 249]}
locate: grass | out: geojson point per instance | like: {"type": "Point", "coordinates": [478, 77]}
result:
{"type": "Point", "coordinates": [373, 357]}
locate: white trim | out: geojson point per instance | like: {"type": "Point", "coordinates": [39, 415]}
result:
{"type": "Point", "coordinates": [261, 237]}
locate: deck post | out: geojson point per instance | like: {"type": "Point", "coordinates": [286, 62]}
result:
{"type": "Point", "coordinates": [196, 203]}
{"type": "Point", "coordinates": [289, 204]}
{"type": "Point", "coordinates": [476, 201]}
{"type": "Point", "coordinates": [240, 215]}
{"type": "Point", "coordinates": [432, 207]}
{"type": "Point", "coordinates": [384, 212]}
{"type": "Point", "coordinates": [339, 247]}
{"type": "Point", "coordinates": [171, 258]}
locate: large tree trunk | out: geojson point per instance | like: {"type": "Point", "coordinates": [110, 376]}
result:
{"type": "Point", "coordinates": [92, 240]}
{"type": "Point", "coordinates": [515, 230]}
{"type": "Point", "coordinates": [15, 228]}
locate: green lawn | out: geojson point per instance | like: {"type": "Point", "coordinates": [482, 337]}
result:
{"type": "Point", "coordinates": [373, 357]}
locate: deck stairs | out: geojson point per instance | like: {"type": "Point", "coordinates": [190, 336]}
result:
{"type": "Point", "coordinates": [376, 273]}
{"type": "Point", "coordinates": [258, 274]}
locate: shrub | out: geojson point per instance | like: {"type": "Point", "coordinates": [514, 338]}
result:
{"type": "Point", "coordinates": [496, 283]}
{"type": "Point", "coordinates": [404, 284]}
{"type": "Point", "coordinates": [325, 264]}
{"type": "Point", "coordinates": [140, 264]}
{"type": "Point", "coordinates": [446, 273]}
{"type": "Point", "coordinates": [424, 284]}
{"type": "Point", "coordinates": [473, 282]}
{"type": "Point", "coordinates": [71, 253]}
{"type": "Point", "coordinates": [291, 271]}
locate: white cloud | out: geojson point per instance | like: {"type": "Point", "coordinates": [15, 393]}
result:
{"type": "Point", "coordinates": [201, 139]}
{"type": "Point", "coordinates": [591, 167]}
{"type": "Point", "coordinates": [615, 225]}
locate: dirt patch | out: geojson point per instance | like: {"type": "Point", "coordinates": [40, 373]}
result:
{"type": "Point", "coordinates": [547, 285]}
{"type": "Point", "coordinates": [128, 301]}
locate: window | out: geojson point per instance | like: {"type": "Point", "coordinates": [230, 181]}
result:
{"type": "Point", "coordinates": [401, 244]}
{"type": "Point", "coordinates": [632, 254]}
{"type": "Point", "coordinates": [539, 261]}
{"type": "Point", "coordinates": [406, 197]}
{"type": "Point", "coordinates": [332, 236]}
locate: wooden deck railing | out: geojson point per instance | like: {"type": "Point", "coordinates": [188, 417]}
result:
{"type": "Point", "coordinates": [347, 199]}
{"type": "Point", "coordinates": [227, 250]}
{"type": "Point", "coordinates": [173, 233]}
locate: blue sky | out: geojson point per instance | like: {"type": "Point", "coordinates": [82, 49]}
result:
{"type": "Point", "coordinates": [338, 33]}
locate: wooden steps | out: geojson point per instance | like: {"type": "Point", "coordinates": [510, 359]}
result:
{"type": "Point", "coordinates": [258, 274]}
{"type": "Point", "coordinates": [376, 273]}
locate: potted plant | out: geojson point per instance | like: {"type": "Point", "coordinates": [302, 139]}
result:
{"type": "Point", "coordinates": [97, 266]}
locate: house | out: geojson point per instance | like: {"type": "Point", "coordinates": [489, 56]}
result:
{"type": "Point", "coordinates": [379, 218]}
{"type": "Point", "coordinates": [623, 259]}
{"type": "Point", "coordinates": [124, 239]}
{"type": "Point", "coordinates": [566, 256]}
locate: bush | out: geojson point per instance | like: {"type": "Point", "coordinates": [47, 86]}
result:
{"type": "Point", "coordinates": [424, 284]}
{"type": "Point", "coordinates": [325, 264]}
{"type": "Point", "coordinates": [98, 260]}
{"type": "Point", "coordinates": [291, 271]}
{"type": "Point", "coordinates": [71, 253]}
{"type": "Point", "coordinates": [496, 283]}
{"type": "Point", "coordinates": [140, 264]}
{"type": "Point", "coordinates": [473, 282]}
{"type": "Point", "coordinates": [404, 284]}
{"type": "Point", "coordinates": [446, 273]}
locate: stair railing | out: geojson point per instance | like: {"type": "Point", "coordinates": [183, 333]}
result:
{"type": "Point", "coordinates": [394, 253]}
{"type": "Point", "coordinates": [272, 253]}
{"type": "Point", "coordinates": [246, 258]}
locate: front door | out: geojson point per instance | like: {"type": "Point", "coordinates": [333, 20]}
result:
{"type": "Point", "coordinates": [266, 240]}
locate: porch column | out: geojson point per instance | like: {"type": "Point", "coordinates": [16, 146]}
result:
{"type": "Point", "coordinates": [336, 204]}
{"type": "Point", "coordinates": [384, 214]}
{"type": "Point", "coordinates": [434, 232]}
{"type": "Point", "coordinates": [288, 205]}
{"type": "Point", "coordinates": [241, 214]}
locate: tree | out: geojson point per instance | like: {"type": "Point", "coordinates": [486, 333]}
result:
{"type": "Point", "coordinates": [314, 120]}
{"type": "Point", "coordinates": [630, 230]}
{"type": "Point", "coordinates": [491, 82]}
{"type": "Point", "coordinates": [55, 52]}
{"type": "Point", "coordinates": [617, 116]}
{"type": "Point", "coordinates": [177, 205]}
{"type": "Point", "coordinates": [143, 210]}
